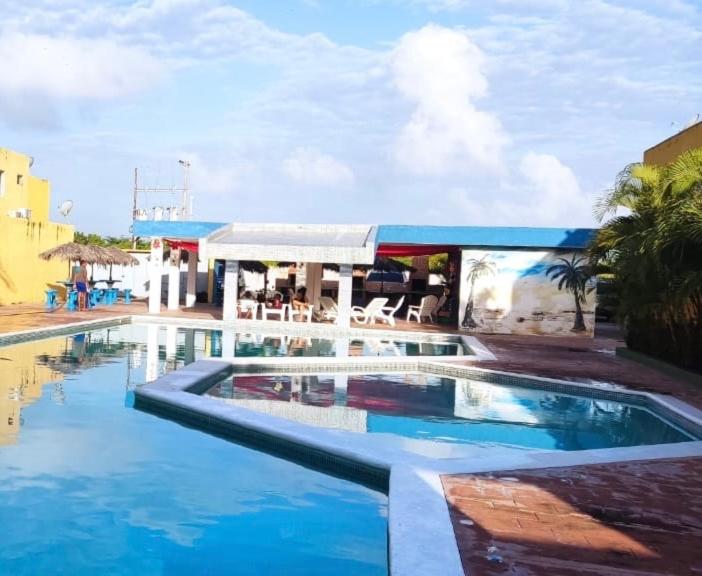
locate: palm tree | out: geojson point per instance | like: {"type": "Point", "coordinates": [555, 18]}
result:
{"type": "Point", "coordinates": [477, 268]}
{"type": "Point", "coordinates": [573, 275]}
{"type": "Point", "coordinates": [655, 251]}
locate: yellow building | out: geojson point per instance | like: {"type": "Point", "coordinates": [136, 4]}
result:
{"type": "Point", "coordinates": [25, 232]}
{"type": "Point", "coordinates": [668, 150]}
{"type": "Point", "coordinates": [22, 378]}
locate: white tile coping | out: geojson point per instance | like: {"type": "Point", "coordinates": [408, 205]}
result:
{"type": "Point", "coordinates": [421, 536]}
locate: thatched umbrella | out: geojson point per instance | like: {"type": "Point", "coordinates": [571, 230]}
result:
{"type": "Point", "coordinates": [120, 257]}
{"type": "Point", "coordinates": [72, 252]}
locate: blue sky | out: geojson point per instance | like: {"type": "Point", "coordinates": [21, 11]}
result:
{"type": "Point", "coordinates": [509, 112]}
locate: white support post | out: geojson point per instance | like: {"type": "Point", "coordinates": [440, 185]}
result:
{"type": "Point", "coordinates": [171, 346]}
{"type": "Point", "coordinates": [345, 291]}
{"type": "Point", "coordinates": [314, 283]}
{"type": "Point", "coordinates": [155, 273]}
{"type": "Point", "coordinates": [174, 280]}
{"type": "Point", "coordinates": [151, 352]}
{"type": "Point", "coordinates": [228, 343]}
{"type": "Point", "coordinates": [191, 284]}
{"type": "Point", "coordinates": [231, 290]}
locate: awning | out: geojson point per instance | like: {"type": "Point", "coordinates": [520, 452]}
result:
{"type": "Point", "coordinates": [183, 245]}
{"type": "Point", "coordinates": [338, 244]}
{"type": "Point", "coordinates": [413, 249]}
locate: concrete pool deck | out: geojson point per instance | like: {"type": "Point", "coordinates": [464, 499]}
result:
{"type": "Point", "coordinates": [574, 358]}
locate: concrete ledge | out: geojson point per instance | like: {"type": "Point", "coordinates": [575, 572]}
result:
{"type": "Point", "coordinates": [422, 540]}
{"type": "Point", "coordinates": [660, 365]}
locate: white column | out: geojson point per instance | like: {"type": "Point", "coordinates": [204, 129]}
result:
{"type": "Point", "coordinates": [191, 284]}
{"type": "Point", "coordinates": [231, 290]}
{"type": "Point", "coordinates": [155, 272]}
{"type": "Point", "coordinates": [341, 385]}
{"type": "Point", "coordinates": [151, 353]}
{"type": "Point", "coordinates": [228, 343]}
{"type": "Point", "coordinates": [345, 291]}
{"type": "Point", "coordinates": [174, 280]}
{"type": "Point", "coordinates": [171, 346]}
{"type": "Point", "coordinates": [314, 283]}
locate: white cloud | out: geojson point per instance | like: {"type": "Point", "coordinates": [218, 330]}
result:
{"type": "Point", "coordinates": [545, 192]}
{"type": "Point", "coordinates": [65, 67]}
{"type": "Point", "coordinates": [313, 168]}
{"type": "Point", "coordinates": [440, 70]}
{"type": "Point", "coordinates": [557, 193]}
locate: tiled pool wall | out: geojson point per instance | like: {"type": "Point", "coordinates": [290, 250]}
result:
{"type": "Point", "coordinates": [474, 349]}
{"type": "Point", "coordinates": [687, 423]}
{"type": "Point", "coordinates": [61, 330]}
{"type": "Point", "coordinates": [374, 477]}
{"type": "Point", "coordinates": [359, 365]}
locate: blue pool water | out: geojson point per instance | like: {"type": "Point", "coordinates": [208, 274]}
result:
{"type": "Point", "coordinates": [421, 406]}
{"type": "Point", "coordinates": [89, 485]}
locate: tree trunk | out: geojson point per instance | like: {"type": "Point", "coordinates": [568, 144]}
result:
{"type": "Point", "coordinates": [468, 321]}
{"type": "Point", "coordinates": [579, 324]}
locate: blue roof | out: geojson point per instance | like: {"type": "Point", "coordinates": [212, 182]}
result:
{"type": "Point", "coordinates": [178, 229]}
{"type": "Point", "coordinates": [508, 237]}
{"type": "Point", "coordinates": [493, 236]}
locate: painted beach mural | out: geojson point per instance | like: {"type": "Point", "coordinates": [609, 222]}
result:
{"type": "Point", "coordinates": [526, 292]}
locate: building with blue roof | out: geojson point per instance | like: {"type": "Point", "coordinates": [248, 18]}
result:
{"type": "Point", "coordinates": [498, 279]}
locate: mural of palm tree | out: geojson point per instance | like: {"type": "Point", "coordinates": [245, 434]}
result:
{"type": "Point", "coordinates": [477, 268]}
{"type": "Point", "coordinates": [572, 275]}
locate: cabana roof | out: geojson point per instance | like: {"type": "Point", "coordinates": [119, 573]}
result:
{"type": "Point", "coordinates": [324, 243]}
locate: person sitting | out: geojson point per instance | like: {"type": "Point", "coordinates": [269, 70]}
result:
{"type": "Point", "coordinates": [300, 301]}
{"type": "Point", "coordinates": [247, 305]}
{"type": "Point", "coordinates": [277, 301]}
{"type": "Point", "coordinates": [80, 281]}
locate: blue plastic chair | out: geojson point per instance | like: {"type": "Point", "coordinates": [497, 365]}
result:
{"type": "Point", "coordinates": [72, 300]}
{"type": "Point", "coordinates": [93, 298]}
{"type": "Point", "coordinates": [127, 295]}
{"type": "Point", "coordinates": [51, 298]}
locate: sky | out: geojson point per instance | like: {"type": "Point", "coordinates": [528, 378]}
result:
{"type": "Point", "coordinates": [446, 112]}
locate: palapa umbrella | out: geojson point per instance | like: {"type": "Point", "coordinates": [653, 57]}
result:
{"type": "Point", "coordinates": [72, 252]}
{"type": "Point", "coordinates": [120, 257]}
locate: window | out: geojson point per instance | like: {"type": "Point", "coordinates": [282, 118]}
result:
{"type": "Point", "coordinates": [2, 183]}
{"type": "Point", "coordinates": [20, 179]}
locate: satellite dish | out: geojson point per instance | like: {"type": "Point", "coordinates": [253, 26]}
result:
{"type": "Point", "coordinates": [65, 208]}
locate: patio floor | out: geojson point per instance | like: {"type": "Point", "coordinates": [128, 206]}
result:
{"type": "Point", "coordinates": [628, 518]}
{"type": "Point", "coordinates": [634, 518]}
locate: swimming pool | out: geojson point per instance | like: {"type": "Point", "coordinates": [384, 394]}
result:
{"type": "Point", "coordinates": [88, 485]}
{"type": "Point", "coordinates": [423, 406]}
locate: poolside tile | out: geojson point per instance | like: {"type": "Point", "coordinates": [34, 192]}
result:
{"type": "Point", "coordinates": [623, 518]}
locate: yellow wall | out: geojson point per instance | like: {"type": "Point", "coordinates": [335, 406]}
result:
{"type": "Point", "coordinates": [670, 149]}
{"type": "Point", "coordinates": [22, 379]}
{"type": "Point", "coordinates": [23, 276]}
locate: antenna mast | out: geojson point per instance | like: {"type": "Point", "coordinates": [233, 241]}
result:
{"type": "Point", "coordinates": [183, 212]}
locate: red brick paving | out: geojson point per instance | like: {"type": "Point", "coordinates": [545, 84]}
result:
{"type": "Point", "coordinates": [633, 518]}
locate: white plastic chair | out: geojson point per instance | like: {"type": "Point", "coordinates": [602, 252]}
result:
{"type": "Point", "coordinates": [370, 313]}
{"type": "Point", "coordinates": [247, 306]}
{"type": "Point", "coordinates": [279, 312]}
{"type": "Point", "coordinates": [328, 309]}
{"type": "Point", "coordinates": [387, 313]}
{"type": "Point", "coordinates": [305, 314]}
{"type": "Point", "coordinates": [424, 310]}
